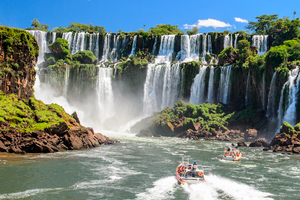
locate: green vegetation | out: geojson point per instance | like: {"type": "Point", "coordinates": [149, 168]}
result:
{"type": "Point", "coordinates": [224, 53]}
{"type": "Point", "coordinates": [78, 27]}
{"type": "Point", "coordinates": [30, 115]}
{"type": "Point", "coordinates": [133, 71]}
{"type": "Point", "coordinates": [209, 116]}
{"type": "Point", "coordinates": [279, 29]}
{"type": "Point", "coordinates": [165, 29]}
{"type": "Point", "coordinates": [15, 43]}
{"type": "Point", "coordinates": [289, 130]}
{"type": "Point", "coordinates": [194, 31]}
{"type": "Point", "coordinates": [38, 26]}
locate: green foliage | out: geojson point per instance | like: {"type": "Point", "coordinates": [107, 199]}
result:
{"type": "Point", "coordinates": [16, 43]}
{"type": "Point", "coordinates": [277, 55]}
{"type": "Point", "coordinates": [264, 24]}
{"type": "Point", "coordinates": [85, 57]}
{"type": "Point", "coordinates": [30, 115]}
{"type": "Point", "coordinates": [245, 116]}
{"type": "Point", "coordinates": [78, 27]}
{"type": "Point", "coordinates": [224, 53]}
{"type": "Point", "coordinates": [243, 50]}
{"type": "Point", "coordinates": [209, 116]}
{"type": "Point", "coordinates": [194, 31]}
{"type": "Point", "coordinates": [165, 29]}
{"type": "Point", "coordinates": [38, 26]}
{"type": "Point", "coordinates": [60, 48]}
{"type": "Point", "coordinates": [288, 130]}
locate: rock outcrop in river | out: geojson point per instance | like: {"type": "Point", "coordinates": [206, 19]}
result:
{"type": "Point", "coordinates": [27, 124]}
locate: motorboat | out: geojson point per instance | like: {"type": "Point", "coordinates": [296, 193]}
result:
{"type": "Point", "coordinates": [231, 154]}
{"type": "Point", "coordinates": [189, 173]}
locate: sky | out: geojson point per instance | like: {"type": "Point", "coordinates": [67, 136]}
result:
{"type": "Point", "coordinates": [132, 15]}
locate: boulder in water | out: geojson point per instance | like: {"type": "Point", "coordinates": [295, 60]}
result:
{"type": "Point", "coordinates": [261, 142]}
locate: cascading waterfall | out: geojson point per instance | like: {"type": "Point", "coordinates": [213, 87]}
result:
{"type": "Point", "coordinates": [189, 48]}
{"type": "Point", "coordinates": [210, 97]}
{"type": "Point", "coordinates": [79, 42]}
{"type": "Point", "coordinates": [235, 40]}
{"type": "Point", "coordinates": [227, 41]}
{"type": "Point", "coordinates": [53, 36]}
{"type": "Point", "coordinates": [105, 94]}
{"type": "Point", "coordinates": [114, 52]}
{"type": "Point", "coordinates": [106, 48]}
{"type": "Point", "coordinates": [290, 114]}
{"type": "Point", "coordinates": [69, 37]}
{"type": "Point", "coordinates": [166, 49]}
{"type": "Point", "coordinates": [133, 46]}
{"type": "Point", "coordinates": [292, 89]}
{"type": "Point", "coordinates": [224, 85]}
{"type": "Point", "coordinates": [248, 93]}
{"type": "Point", "coordinates": [261, 42]}
{"type": "Point", "coordinates": [40, 36]}
{"type": "Point", "coordinates": [271, 99]}
{"type": "Point", "coordinates": [198, 86]}
{"type": "Point", "coordinates": [67, 74]}
{"type": "Point", "coordinates": [154, 46]}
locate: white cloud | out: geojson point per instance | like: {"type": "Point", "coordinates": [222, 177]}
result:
{"type": "Point", "coordinates": [208, 23]}
{"type": "Point", "coordinates": [237, 19]}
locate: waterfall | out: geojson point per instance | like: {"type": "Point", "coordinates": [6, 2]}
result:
{"type": "Point", "coordinates": [235, 40]}
{"type": "Point", "coordinates": [69, 37]}
{"type": "Point", "coordinates": [114, 52]}
{"type": "Point", "coordinates": [133, 46]}
{"type": "Point", "coordinates": [105, 94]}
{"type": "Point", "coordinates": [53, 37]}
{"type": "Point", "coordinates": [161, 88]}
{"type": "Point", "coordinates": [210, 94]}
{"type": "Point", "coordinates": [198, 87]}
{"type": "Point", "coordinates": [261, 42]}
{"type": "Point", "coordinates": [41, 38]}
{"type": "Point", "coordinates": [248, 92]}
{"type": "Point", "coordinates": [67, 74]}
{"type": "Point", "coordinates": [291, 103]}
{"type": "Point", "coordinates": [271, 99]}
{"type": "Point", "coordinates": [264, 91]}
{"type": "Point", "coordinates": [204, 46]}
{"type": "Point", "coordinates": [209, 48]}
{"type": "Point", "coordinates": [106, 48]}
{"type": "Point", "coordinates": [79, 42]}
{"type": "Point", "coordinates": [166, 49]}
{"type": "Point", "coordinates": [189, 48]}
{"type": "Point", "coordinates": [227, 41]}
{"type": "Point", "coordinates": [224, 85]}
{"type": "Point", "coordinates": [290, 114]}
{"type": "Point", "coordinates": [154, 46]}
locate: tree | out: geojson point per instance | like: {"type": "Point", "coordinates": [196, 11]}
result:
{"type": "Point", "coordinates": [194, 31]}
{"type": "Point", "coordinates": [294, 14]}
{"type": "Point", "coordinates": [264, 24]}
{"type": "Point", "coordinates": [165, 29]}
{"type": "Point", "coordinates": [35, 23]}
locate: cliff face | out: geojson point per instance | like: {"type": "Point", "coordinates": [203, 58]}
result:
{"type": "Point", "coordinates": [27, 124]}
{"type": "Point", "coordinates": [18, 56]}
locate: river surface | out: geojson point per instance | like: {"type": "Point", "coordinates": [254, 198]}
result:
{"type": "Point", "coordinates": [144, 169]}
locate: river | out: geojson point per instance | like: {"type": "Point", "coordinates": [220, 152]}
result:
{"type": "Point", "coordinates": [144, 169]}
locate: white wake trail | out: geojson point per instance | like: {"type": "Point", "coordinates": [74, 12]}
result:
{"type": "Point", "coordinates": [164, 188]}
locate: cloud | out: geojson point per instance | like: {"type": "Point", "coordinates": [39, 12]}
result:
{"type": "Point", "coordinates": [237, 19]}
{"type": "Point", "coordinates": [208, 23]}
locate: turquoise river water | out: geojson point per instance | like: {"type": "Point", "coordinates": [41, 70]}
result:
{"type": "Point", "coordinates": [144, 169]}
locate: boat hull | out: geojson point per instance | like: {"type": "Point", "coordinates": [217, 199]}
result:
{"type": "Point", "coordinates": [229, 157]}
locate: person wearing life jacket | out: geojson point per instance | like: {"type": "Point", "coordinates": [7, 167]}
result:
{"type": "Point", "coordinates": [194, 166]}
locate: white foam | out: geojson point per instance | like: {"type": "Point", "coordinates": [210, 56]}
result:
{"type": "Point", "coordinates": [27, 193]}
{"type": "Point", "coordinates": [164, 188]}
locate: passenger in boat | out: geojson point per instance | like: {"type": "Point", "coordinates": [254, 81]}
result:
{"type": "Point", "coordinates": [195, 166]}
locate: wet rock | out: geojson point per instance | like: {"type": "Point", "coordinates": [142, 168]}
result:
{"type": "Point", "coordinates": [241, 144]}
{"type": "Point", "coordinates": [144, 133]}
{"type": "Point", "coordinates": [261, 142]}
{"type": "Point", "coordinates": [75, 116]}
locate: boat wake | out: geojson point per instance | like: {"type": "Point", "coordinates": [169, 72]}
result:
{"type": "Point", "coordinates": [163, 189]}
{"type": "Point", "coordinates": [218, 187]}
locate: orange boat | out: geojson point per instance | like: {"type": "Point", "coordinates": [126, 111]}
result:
{"type": "Point", "coordinates": [231, 154]}
{"type": "Point", "coordinates": [188, 173]}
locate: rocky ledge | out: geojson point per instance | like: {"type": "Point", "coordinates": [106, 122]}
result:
{"type": "Point", "coordinates": [56, 138]}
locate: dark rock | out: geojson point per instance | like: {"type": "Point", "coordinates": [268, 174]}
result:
{"type": "Point", "coordinates": [261, 142]}
{"type": "Point", "coordinates": [296, 150]}
{"type": "Point", "coordinates": [250, 135]}
{"type": "Point", "coordinates": [75, 116]}
{"type": "Point", "coordinates": [241, 144]}
{"type": "Point", "coordinates": [144, 133]}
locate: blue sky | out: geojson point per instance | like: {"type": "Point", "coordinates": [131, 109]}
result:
{"type": "Point", "coordinates": [132, 15]}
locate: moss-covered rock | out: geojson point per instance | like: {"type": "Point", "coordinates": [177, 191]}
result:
{"type": "Point", "coordinates": [85, 57]}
